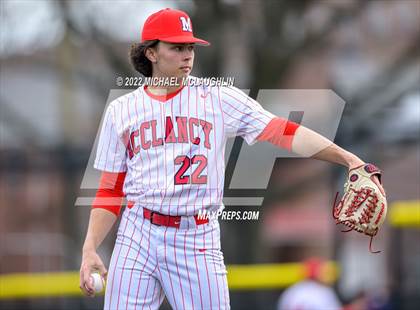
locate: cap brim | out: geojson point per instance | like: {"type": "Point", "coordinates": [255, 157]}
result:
{"type": "Point", "coordinates": [185, 39]}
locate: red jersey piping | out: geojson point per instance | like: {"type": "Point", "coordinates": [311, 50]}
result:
{"type": "Point", "coordinates": [162, 98]}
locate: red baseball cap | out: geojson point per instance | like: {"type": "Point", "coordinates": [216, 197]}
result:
{"type": "Point", "coordinates": [169, 25]}
{"type": "Point", "coordinates": [313, 268]}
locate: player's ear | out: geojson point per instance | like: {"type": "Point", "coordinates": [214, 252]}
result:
{"type": "Point", "coordinates": [151, 54]}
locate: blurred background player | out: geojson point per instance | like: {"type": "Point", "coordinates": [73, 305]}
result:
{"type": "Point", "coordinates": [312, 293]}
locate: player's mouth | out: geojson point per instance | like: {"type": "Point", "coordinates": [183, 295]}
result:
{"type": "Point", "coordinates": [186, 69]}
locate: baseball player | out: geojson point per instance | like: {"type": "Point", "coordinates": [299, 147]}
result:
{"type": "Point", "coordinates": [312, 293]}
{"type": "Point", "coordinates": [163, 149]}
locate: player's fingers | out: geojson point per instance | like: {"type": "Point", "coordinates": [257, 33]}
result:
{"type": "Point", "coordinates": [82, 284]}
{"type": "Point", "coordinates": [91, 293]}
{"type": "Point", "coordinates": [376, 180]}
{"type": "Point", "coordinates": [102, 270]}
{"type": "Point", "coordinates": [88, 282]}
{"type": "Point", "coordinates": [382, 190]}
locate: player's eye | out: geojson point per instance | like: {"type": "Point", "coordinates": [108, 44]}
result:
{"type": "Point", "coordinates": [190, 48]}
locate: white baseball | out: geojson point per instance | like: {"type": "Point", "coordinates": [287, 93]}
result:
{"type": "Point", "coordinates": [98, 282]}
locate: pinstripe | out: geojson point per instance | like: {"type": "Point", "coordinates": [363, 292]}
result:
{"type": "Point", "coordinates": [214, 269]}
{"type": "Point", "coordinates": [134, 176]}
{"type": "Point", "coordinates": [239, 119]}
{"type": "Point", "coordinates": [153, 294]}
{"type": "Point", "coordinates": [182, 145]}
{"type": "Point", "coordinates": [156, 157]}
{"type": "Point", "coordinates": [186, 266]}
{"type": "Point", "coordinates": [129, 180]}
{"type": "Point", "coordinates": [167, 268]}
{"type": "Point", "coordinates": [110, 280]}
{"type": "Point", "coordinates": [107, 152]}
{"type": "Point", "coordinates": [220, 106]}
{"type": "Point", "coordinates": [117, 139]}
{"type": "Point", "coordinates": [147, 151]}
{"type": "Point", "coordinates": [144, 266]}
{"type": "Point", "coordinates": [177, 270]}
{"type": "Point", "coordinates": [199, 149]}
{"type": "Point", "coordinates": [110, 285]}
{"type": "Point", "coordinates": [125, 261]}
{"type": "Point", "coordinates": [236, 91]}
{"type": "Point", "coordinates": [161, 296]}
{"type": "Point", "coordinates": [225, 291]}
{"type": "Point", "coordinates": [215, 143]}
{"type": "Point", "coordinates": [157, 281]}
{"type": "Point", "coordinates": [160, 273]}
{"type": "Point", "coordinates": [118, 257]}
{"type": "Point", "coordinates": [207, 270]}
{"type": "Point", "coordinates": [195, 255]}
{"type": "Point", "coordinates": [223, 138]}
{"type": "Point", "coordinates": [141, 160]}
{"type": "Point", "coordinates": [173, 152]}
{"type": "Point", "coordinates": [198, 187]}
{"type": "Point", "coordinates": [162, 117]}
{"type": "Point", "coordinates": [106, 123]}
{"type": "Point", "coordinates": [198, 272]}
{"type": "Point", "coordinates": [251, 102]}
{"type": "Point", "coordinates": [202, 207]}
{"type": "Point", "coordinates": [239, 111]}
{"type": "Point", "coordinates": [135, 261]}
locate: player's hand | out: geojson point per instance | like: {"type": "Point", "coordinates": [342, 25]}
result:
{"type": "Point", "coordinates": [378, 183]}
{"type": "Point", "coordinates": [91, 262]}
{"type": "Point", "coordinates": [375, 178]}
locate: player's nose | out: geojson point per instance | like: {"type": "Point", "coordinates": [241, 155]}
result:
{"type": "Point", "coordinates": [188, 54]}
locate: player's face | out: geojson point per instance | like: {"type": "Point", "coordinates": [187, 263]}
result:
{"type": "Point", "coordinates": [172, 60]}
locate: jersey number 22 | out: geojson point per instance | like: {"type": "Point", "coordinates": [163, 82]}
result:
{"type": "Point", "coordinates": [186, 162]}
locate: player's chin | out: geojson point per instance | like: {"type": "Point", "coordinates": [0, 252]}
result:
{"type": "Point", "coordinates": [184, 72]}
{"type": "Point", "coordinates": [181, 77]}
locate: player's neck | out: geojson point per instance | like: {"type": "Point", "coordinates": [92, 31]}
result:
{"type": "Point", "coordinates": [164, 90]}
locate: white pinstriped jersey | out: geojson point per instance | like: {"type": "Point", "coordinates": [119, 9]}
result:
{"type": "Point", "coordinates": [173, 151]}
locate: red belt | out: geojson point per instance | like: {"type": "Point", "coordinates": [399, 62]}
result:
{"type": "Point", "coordinates": [168, 220]}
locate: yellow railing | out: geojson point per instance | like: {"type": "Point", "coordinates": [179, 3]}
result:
{"type": "Point", "coordinates": [240, 277]}
{"type": "Point", "coordinates": [401, 214]}
{"type": "Point", "coordinates": [404, 214]}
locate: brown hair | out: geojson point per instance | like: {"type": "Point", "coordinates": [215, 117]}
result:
{"type": "Point", "coordinates": [138, 57]}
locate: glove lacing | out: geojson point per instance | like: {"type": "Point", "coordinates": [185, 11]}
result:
{"type": "Point", "coordinates": [360, 196]}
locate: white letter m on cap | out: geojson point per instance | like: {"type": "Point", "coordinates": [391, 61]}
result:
{"type": "Point", "coordinates": [186, 24]}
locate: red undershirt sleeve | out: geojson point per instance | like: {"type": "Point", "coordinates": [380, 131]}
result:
{"type": "Point", "coordinates": [280, 132]}
{"type": "Point", "coordinates": [110, 193]}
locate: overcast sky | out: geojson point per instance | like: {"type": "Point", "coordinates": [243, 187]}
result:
{"type": "Point", "coordinates": [28, 25]}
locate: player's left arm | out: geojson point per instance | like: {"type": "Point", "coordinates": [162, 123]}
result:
{"type": "Point", "coordinates": [308, 143]}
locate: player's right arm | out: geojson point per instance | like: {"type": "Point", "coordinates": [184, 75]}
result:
{"type": "Point", "coordinates": [105, 210]}
{"type": "Point", "coordinates": [100, 223]}
{"type": "Point", "coordinates": [111, 160]}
